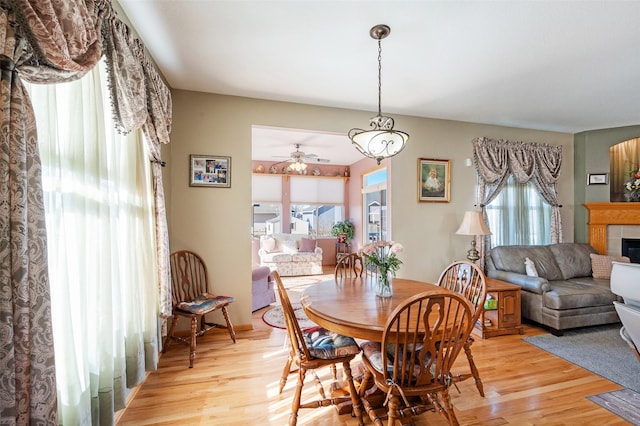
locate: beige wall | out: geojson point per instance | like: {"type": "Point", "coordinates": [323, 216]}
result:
{"type": "Point", "coordinates": [216, 222]}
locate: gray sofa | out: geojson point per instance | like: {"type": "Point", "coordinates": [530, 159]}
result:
{"type": "Point", "coordinates": [564, 295]}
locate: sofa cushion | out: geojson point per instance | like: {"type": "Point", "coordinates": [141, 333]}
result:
{"type": "Point", "coordinates": [289, 246]}
{"type": "Point", "coordinates": [571, 295]}
{"type": "Point", "coordinates": [305, 256]}
{"type": "Point", "coordinates": [276, 257]}
{"type": "Point", "coordinates": [572, 259]}
{"type": "Point", "coordinates": [307, 245]}
{"type": "Point", "coordinates": [511, 259]}
{"type": "Point", "coordinates": [601, 265]}
{"type": "Point", "coordinates": [269, 245]}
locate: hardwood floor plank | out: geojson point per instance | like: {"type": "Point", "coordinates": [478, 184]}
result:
{"type": "Point", "coordinates": [237, 384]}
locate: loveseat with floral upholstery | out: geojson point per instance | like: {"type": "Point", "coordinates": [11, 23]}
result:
{"type": "Point", "coordinates": [290, 254]}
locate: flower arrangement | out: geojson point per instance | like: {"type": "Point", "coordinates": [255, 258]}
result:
{"type": "Point", "coordinates": [632, 186]}
{"type": "Point", "coordinates": [383, 254]}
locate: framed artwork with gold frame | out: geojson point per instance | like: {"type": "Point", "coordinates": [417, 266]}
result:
{"type": "Point", "coordinates": [434, 180]}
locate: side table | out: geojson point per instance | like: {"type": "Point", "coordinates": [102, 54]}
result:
{"type": "Point", "coordinates": [505, 319]}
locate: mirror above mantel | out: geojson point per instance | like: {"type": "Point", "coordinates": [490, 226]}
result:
{"type": "Point", "coordinates": [624, 158]}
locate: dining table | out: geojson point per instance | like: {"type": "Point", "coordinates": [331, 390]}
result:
{"type": "Point", "coordinates": [350, 306]}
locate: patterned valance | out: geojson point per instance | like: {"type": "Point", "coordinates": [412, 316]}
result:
{"type": "Point", "coordinates": [66, 38]}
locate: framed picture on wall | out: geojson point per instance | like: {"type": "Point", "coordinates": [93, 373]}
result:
{"type": "Point", "coordinates": [434, 180]}
{"type": "Point", "coordinates": [213, 171]}
{"type": "Point", "coordinates": [597, 178]}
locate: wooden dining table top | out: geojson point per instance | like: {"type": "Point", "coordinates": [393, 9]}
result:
{"type": "Point", "coordinates": [349, 306]}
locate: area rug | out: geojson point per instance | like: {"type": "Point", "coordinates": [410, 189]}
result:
{"type": "Point", "coordinates": [304, 280]}
{"type": "Point", "coordinates": [624, 403]}
{"type": "Point", "coordinates": [274, 317]}
{"type": "Point", "coordinates": [600, 350]}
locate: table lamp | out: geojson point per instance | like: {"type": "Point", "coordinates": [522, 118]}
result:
{"type": "Point", "coordinates": [473, 224]}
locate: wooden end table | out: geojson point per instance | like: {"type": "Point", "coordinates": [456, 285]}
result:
{"type": "Point", "coordinates": [506, 318]}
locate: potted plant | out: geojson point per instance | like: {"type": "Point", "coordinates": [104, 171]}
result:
{"type": "Point", "coordinates": [343, 230]}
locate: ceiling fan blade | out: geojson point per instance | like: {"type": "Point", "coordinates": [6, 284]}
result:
{"type": "Point", "coordinates": [318, 160]}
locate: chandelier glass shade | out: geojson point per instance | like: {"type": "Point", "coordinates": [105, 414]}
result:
{"type": "Point", "coordinates": [381, 141]}
{"type": "Point", "coordinates": [298, 166]}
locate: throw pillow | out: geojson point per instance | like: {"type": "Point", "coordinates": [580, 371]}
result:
{"type": "Point", "coordinates": [307, 244]}
{"type": "Point", "coordinates": [289, 246]}
{"type": "Point", "coordinates": [530, 267]}
{"type": "Point", "coordinates": [269, 245]}
{"type": "Point", "coordinates": [601, 265]}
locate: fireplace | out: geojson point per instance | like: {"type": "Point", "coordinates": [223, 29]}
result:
{"type": "Point", "coordinates": [602, 215]}
{"type": "Point", "coordinates": [631, 249]}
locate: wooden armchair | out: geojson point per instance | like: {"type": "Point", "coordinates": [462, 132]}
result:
{"type": "Point", "coordinates": [191, 299]}
{"type": "Point", "coordinates": [313, 349]}
{"type": "Point", "coordinates": [412, 365]}
{"type": "Point", "coordinates": [350, 265]}
{"type": "Point", "coordinates": [467, 279]}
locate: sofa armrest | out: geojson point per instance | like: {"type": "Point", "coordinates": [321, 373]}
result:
{"type": "Point", "coordinates": [531, 284]}
{"type": "Point", "coordinates": [261, 273]}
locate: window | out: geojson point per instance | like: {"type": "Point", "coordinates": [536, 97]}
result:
{"type": "Point", "coordinates": [374, 200]}
{"type": "Point", "coordinates": [519, 216]}
{"type": "Point", "coordinates": [316, 204]}
{"type": "Point", "coordinates": [315, 220]}
{"type": "Point", "coordinates": [266, 219]}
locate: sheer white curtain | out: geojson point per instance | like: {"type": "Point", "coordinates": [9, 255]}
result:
{"type": "Point", "coordinates": [519, 216]}
{"type": "Point", "coordinates": [99, 214]}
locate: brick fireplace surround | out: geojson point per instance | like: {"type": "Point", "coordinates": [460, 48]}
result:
{"type": "Point", "coordinates": [603, 214]}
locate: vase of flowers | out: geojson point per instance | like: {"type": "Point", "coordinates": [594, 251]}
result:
{"type": "Point", "coordinates": [632, 187]}
{"type": "Point", "coordinates": [382, 257]}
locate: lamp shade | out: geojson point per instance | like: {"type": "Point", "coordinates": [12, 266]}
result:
{"type": "Point", "coordinates": [473, 224]}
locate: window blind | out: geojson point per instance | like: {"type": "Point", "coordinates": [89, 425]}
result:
{"type": "Point", "coordinates": [317, 190]}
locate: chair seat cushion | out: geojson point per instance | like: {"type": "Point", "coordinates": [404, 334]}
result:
{"type": "Point", "coordinates": [372, 351]}
{"type": "Point", "coordinates": [325, 344]}
{"type": "Point", "coordinates": [204, 303]}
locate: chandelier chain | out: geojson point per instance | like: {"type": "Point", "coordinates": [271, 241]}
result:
{"type": "Point", "coordinates": [379, 76]}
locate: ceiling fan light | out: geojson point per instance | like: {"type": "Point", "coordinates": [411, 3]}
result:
{"type": "Point", "coordinates": [298, 166]}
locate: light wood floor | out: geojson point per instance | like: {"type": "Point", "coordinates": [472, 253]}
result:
{"type": "Point", "coordinates": [237, 384]}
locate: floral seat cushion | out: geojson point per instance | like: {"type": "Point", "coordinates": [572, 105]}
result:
{"type": "Point", "coordinates": [325, 344]}
{"type": "Point", "coordinates": [373, 352]}
{"type": "Point", "coordinates": [203, 303]}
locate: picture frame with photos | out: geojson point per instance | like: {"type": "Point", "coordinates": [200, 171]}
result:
{"type": "Point", "coordinates": [213, 171]}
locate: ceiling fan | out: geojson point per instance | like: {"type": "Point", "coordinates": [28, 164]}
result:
{"type": "Point", "coordinates": [298, 156]}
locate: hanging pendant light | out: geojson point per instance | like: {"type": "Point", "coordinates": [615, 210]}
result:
{"type": "Point", "coordinates": [381, 141]}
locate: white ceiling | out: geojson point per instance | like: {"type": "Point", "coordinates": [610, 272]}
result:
{"type": "Point", "coordinates": [565, 66]}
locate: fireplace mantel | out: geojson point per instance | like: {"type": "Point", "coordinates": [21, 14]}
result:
{"type": "Point", "coordinates": [603, 214]}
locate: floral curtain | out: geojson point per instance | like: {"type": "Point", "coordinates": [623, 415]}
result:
{"type": "Point", "coordinates": [49, 41]}
{"type": "Point", "coordinates": [537, 163]}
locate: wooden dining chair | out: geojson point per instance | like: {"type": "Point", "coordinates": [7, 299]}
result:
{"type": "Point", "coordinates": [349, 266]}
{"type": "Point", "coordinates": [467, 279]}
{"type": "Point", "coordinates": [313, 349]}
{"type": "Point", "coordinates": [412, 365]}
{"type": "Point", "coordinates": [191, 298]}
